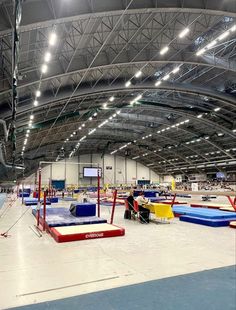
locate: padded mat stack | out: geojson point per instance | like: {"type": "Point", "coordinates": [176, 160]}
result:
{"type": "Point", "coordinates": [81, 224]}
{"type": "Point", "coordinates": [208, 217]}
{"type": "Point", "coordinates": [34, 201]}
{"type": "Point", "coordinates": [56, 217]}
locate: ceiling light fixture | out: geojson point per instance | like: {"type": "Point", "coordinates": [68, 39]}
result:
{"type": "Point", "coordinates": [175, 70]}
{"type": "Point", "coordinates": [166, 77]}
{"type": "Point", "coordinates": [44, 68]}
{"type": "Point", "coordinates": [232, 29]}
{"type": "Point", "coordinates": [211, 44]}
{"type": "Point", "coordinates": [128, 83]}
{"type": "Point", "coordinates": [52, 38]}
{"type": "Point", "coordinates": [223, 35]}
{"type": "Point", "coordinates": [138, 74]}
{"type": "Point", "coordinates": [157, 83]}
{"type": "Point", "coordinates": [47, 57]}
{"type": "Point", "coordinates": [200, 52]}
{"type": "Point", "coordinates": [183, 33]}
{"type": "Point", "coordinates": [38, 93]}
{"type": "Point", "coordinates": [164, 50]}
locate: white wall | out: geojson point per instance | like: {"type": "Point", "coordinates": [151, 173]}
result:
{"type": "Point", "coordinates": [124, 171]}
{"type": "Point", "coordinates": [168, 178]}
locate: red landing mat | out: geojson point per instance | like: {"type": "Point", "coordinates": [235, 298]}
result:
{"type": "Point", "coordinates": [85, 232]}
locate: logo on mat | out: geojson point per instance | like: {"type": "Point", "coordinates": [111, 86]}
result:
{"type": "Point", "coordinates": [87, 236]}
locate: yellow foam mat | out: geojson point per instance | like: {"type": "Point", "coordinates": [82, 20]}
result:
{"type": "Point", "coordinates": [80, 229]}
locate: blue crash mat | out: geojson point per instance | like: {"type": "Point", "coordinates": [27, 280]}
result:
{"type": "Point", "coordinates": [147, 193]}
{"type": "Point", "coordinates": [24, 194]}
{"type": "Point", "coordinates": [33, 201]}
{"type": "Point", "coordinates": [53, 199]}
{"type": "Point", "coordinates": [204, 221]}
{"type": "Point", "coordinates": [203, 213]}
{"type": "Point", "coordinates": [83, 209]}
{"type": "Point", "coordinates": [56, 217]}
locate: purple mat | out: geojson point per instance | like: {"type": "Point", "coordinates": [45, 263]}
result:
{"type": "Point", "coordinates": [56, 217]}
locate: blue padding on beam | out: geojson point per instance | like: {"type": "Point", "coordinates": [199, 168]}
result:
{"type": "Point", "coordinates": [56, 217]}
{"type": "Point", "coordinates": [204, 213]}
{"type": "Point", "coordinates": [204, 221]}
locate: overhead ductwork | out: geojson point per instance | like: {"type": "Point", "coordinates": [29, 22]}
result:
{"type": "Point", "coordinates": [3, 161]}
{"type": "Point", "coordinates": [5, 131]}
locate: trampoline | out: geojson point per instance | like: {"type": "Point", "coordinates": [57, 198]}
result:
{"type": "Point", "coordinates": [84, 232]}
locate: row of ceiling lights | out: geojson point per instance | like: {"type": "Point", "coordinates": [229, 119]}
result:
{"type": "Point", "coordinates": [217, 40]}
{"type": "Point", "coordinates": [165, 78]}
{"type": "Point", "coordinates": [74, 133]}
{"type": "Point", "coordinates": [203, 165]}
{"type": "Point", "coordinates": [92, 130]}
{"type": "Point", "coordinates": [47, 58]}
{"type": "Point", "coordinates": [150, 135]}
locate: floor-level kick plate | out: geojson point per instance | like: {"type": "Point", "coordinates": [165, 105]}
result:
{"type": "Point", "coordinates": [84, 232]}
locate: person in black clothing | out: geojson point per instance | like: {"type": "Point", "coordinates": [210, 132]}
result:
{"type": "Point", "coordinates": [130, 201]}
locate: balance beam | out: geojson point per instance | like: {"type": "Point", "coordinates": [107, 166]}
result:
{"type": "Point", "coordinates": [226, 194]}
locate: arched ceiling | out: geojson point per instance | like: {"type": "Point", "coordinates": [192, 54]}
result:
{"type": "Point", "coordinates": [185, 124]}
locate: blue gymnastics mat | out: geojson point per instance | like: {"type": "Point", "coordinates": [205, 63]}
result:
{"type": "Point", "coordinates": [56, 217]}
{"type": "Point", "coordinates": [53, 199]}
{"type": "Point", "coordinates": [34, 201]}
{"type": "Point", "coordinates": [204, 213]}
{"type": "Point", "coordinates": [204, 221]}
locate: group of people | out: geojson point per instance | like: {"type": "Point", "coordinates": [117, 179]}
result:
{"type": "Point", "coordinates": [141, 201]}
